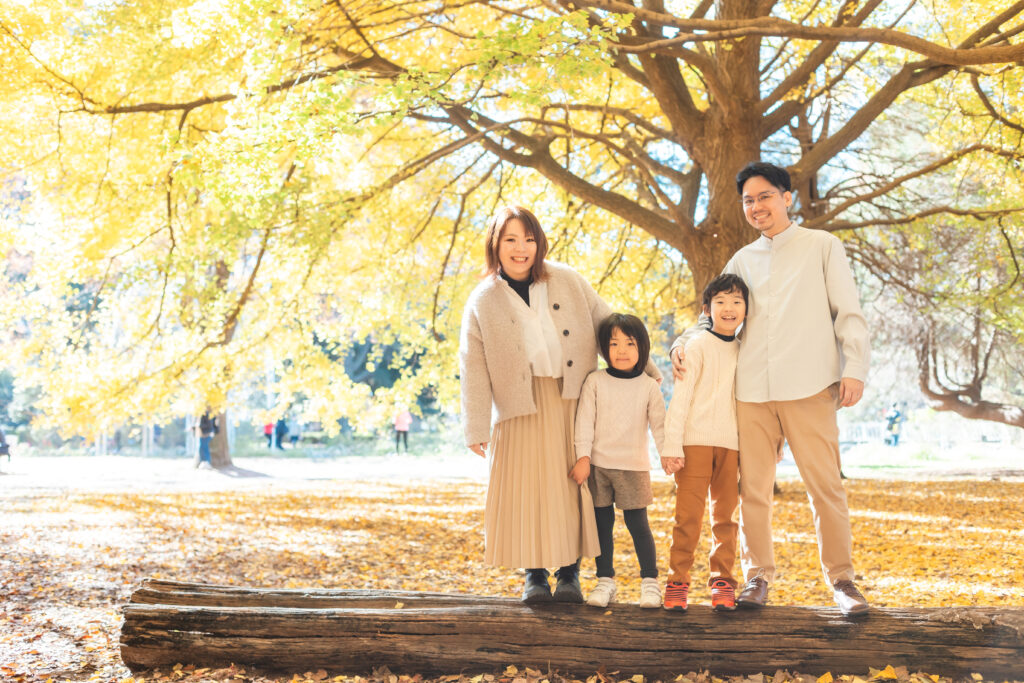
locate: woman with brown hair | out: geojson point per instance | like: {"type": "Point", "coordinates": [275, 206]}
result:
{"type": "Point", "coordinates": [528, 341]}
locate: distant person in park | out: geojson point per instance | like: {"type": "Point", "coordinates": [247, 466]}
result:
{"type": "Point", "coordinates": [804, 353]}
{"type": "Point", "coordinates": [5, 448]}
{"type": "Point", "coordinates": [294, 432]}
{"type": "Point", "coordinates": [280, 432]}
{"type": "Point", "coordinates": [617, 407]}
{"type": "Point", "coordinates": [528, 341]}
{"type": "Point", "coordinates": [403, 420]}
{"type": "Point", "coordinates": [702, 444]}
{"type": "Point", "coordinates": [268, 432]}
{"type": "Point", "coordinates": [894, 423]}
{"type": "Point", "coordinates": [207, 428]}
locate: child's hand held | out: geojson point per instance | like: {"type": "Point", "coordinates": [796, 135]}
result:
{"type": "Point", "coordinates": [580, 471]}
{"type": "Point", "coordinates": [672, 465]}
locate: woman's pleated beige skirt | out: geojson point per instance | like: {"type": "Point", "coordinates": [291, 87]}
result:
{"type": "Point", "coordinates": [536, 516]}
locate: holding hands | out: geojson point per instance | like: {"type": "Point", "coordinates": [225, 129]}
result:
{"type": "Point", "coordinates": [672, 465]}
{"type": "Point", "coordinates": [580, 471]}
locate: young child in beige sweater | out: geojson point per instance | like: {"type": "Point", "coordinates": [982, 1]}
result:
{"type": "Point", "coordinates": [617, 406]}
{"type": "Point", "coordinates": [701, 442]}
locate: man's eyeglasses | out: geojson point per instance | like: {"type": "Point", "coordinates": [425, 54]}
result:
{"type": "Point", "coordinates": [763, 197]}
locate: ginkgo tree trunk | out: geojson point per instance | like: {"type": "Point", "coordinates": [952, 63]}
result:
{"type": "Point", "coordinates": [316, 174]}
{"type": "Point", "coordinates": [220, 449]}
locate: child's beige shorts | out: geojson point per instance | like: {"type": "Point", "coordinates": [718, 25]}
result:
{"type": "Point", "coordinates": [628, 489]}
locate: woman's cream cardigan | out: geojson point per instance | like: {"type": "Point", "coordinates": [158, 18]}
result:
{"type": "Point", "coordinates": [492, 359]}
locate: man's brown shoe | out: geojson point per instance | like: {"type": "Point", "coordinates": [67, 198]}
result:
{"type": "Point", "coordinates": [754, 594]}
{"type": "Point", "coordinates": [850, 600]}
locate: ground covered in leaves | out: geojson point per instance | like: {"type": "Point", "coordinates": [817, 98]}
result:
{"type": "Point", "coordinates": [70, 560]}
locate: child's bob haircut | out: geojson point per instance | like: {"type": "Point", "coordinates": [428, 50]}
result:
{"type": "Point", "coordinates": [632, 327]}
{"type": "Point", "coordinates": [725, 283]}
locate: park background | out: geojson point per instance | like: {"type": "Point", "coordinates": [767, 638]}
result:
{"type": "Point", "coordinates": [274, 210]}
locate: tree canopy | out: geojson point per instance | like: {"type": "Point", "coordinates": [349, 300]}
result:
{"type": "Point", "coordinates": [213, 192]}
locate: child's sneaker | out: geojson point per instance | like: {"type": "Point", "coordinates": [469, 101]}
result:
{"type": "Point", "coordinates": [650, 593]}
{"type": "Point", "coordinates": [723, 596]}
{"type": "Point", "coordinates": [603, 593]}
{"type": "Point", "coordinates": [675, 595]}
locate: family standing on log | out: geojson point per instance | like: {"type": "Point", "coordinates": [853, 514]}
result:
{"type": "Point", "coordinates": [783, 344]}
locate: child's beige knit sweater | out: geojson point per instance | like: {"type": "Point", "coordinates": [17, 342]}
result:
{"type": "Point", "coordinates": [612, 419]}
{"type": "Point", "coordinates": [702, 411]}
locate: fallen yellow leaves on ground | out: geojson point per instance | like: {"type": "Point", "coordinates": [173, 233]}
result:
{"type": "Point", "coordinates": [70, 560]}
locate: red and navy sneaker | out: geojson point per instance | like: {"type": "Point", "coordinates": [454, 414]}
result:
{"type": "Point", "coordinates": [676, 595]}
{"type": "Point", "coordinates": [723, 596]}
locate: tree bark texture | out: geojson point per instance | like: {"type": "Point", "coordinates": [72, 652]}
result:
{"type": "Point", "coordinates": [220, 451]}
{"type": "Point", "coordinates": [353, 631]}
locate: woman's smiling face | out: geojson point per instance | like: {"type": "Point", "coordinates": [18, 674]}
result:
{"type": "Point", "coordinates": [517, 250]}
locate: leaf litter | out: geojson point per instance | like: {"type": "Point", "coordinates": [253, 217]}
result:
{"type": "Point", "coordinates": [71, 559]}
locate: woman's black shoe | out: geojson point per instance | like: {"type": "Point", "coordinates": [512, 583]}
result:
{"type": "Point", "coordinates": [568, 587]}
{"type": "Point", "coordinates": [536, 589]}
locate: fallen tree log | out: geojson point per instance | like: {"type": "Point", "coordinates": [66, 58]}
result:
{"type": "Point", "coordinates": [347, 631]}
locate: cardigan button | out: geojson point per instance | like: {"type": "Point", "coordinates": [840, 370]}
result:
{"type": "Point", "coordinates": [565, 333]}
{"type": "Point", "coordinates": [555, 307]}
{"type": "Point", "coordinates": [569, 364]}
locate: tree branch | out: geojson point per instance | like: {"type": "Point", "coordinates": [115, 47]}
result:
{"type": "Point", "coordinates": [438, 337]}
{"type": "Point", "coordinates": [701, 9]}
{"type": "Point", "coordinates": [934, 211]}
{"type": "Point", "coordinates": [991, 109]}
{"type": "Point", "coordinates": [627, 114]}
{"type": "Point", "coordinates": [910, 76]}
{"type": "Point", "coordinates": [781, 49]}
{"type": "Point", "coordinates": [540, 159]}
{"type": "Point", "coordinates": [231, 320]}
{"type": "Point", "coordinates": [1013, 257]}
{"type": "Point", "coordinates": [669, 88]}
{"type": "Point", "coordinates": [821, 220]}
{"type": "Point", "coordinates": [818, 55]}
{"type": "Point", "coordinates": [718, 30]}
{"type": "Point", "coordinates": [963, 400]}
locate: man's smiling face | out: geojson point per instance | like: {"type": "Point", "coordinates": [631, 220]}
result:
{"type": "Point", "coordinates": [765, 205]}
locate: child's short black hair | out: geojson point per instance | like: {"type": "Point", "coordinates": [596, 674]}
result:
{"type": "Point", "coordinates": [726, 283]}
{"type": "Point", "coordinates": [632, 327]}
{"type": "Point", "coordinates": [776, 175]}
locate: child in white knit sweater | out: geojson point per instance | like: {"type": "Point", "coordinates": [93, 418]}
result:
{"type": "Point", "coordinates": [617, 406]}
{"type": "Point", "coordinates": [701, 443]}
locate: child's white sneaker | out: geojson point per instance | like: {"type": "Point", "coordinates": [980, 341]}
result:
{"type": "Point", "coordinates": [650, 593]}
{"type": "Point", "coordinates": [603, 592]}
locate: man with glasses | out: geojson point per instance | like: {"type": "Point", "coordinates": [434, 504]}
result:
{"type": "Point", "coordinates": [804, 353]}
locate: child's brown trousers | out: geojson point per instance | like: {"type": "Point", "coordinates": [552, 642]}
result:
{"type": "Point", "coordinates": [709, 471]}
